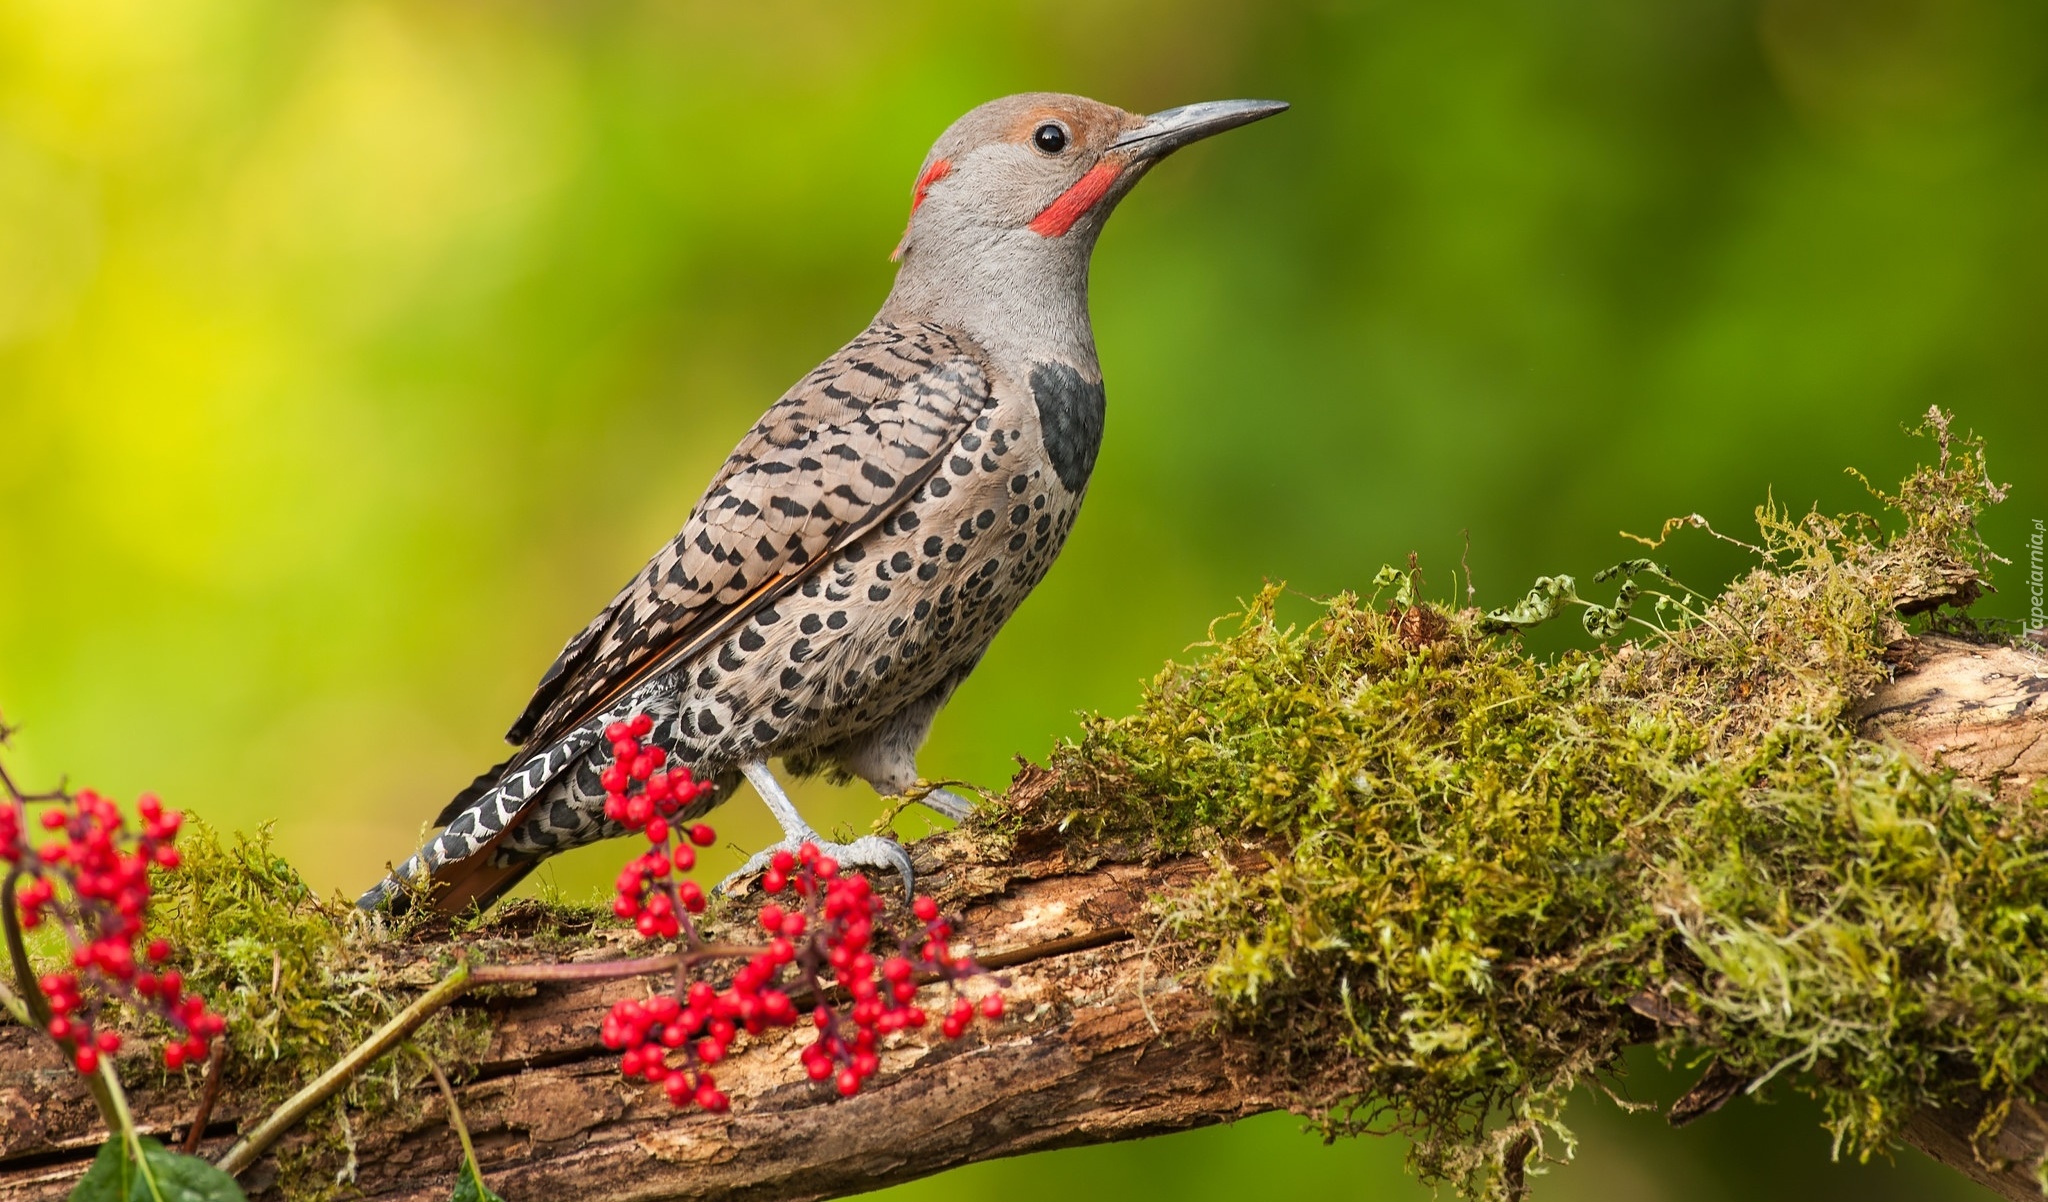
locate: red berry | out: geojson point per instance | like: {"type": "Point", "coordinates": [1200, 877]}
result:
{"type": "Point", "coordinates": [848, 1083]}
{"type": "Point", "coordinates": [992, 1006]}
{"type": "Point", "coordinates": [174, 1056]}
{"type": "Point", "coordinates": [87, 1059]}
{"type": "Point", "coordinates": [640, 725]}
{"type": "Point", "coordinates": [925, 908]}
{"type": "Point", "coordinates": [702, 835]}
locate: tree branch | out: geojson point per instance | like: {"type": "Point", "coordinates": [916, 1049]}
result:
{"type": "Point", "coordinates": [1108, 1035]}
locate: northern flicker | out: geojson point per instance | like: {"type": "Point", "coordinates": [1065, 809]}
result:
{"type": "Point", "coordinates": [852, 560]}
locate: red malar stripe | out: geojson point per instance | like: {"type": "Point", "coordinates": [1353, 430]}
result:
{"type": "Point", "coordinates": [1061, 214]}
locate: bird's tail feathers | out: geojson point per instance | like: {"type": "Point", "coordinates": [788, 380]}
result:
{"type": "Point", "coordinates": [460, 866]}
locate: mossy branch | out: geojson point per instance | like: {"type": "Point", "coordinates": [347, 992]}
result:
{"type": "Point", "coordinates": [1386, 870]}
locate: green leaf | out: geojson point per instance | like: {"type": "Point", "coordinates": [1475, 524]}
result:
{"type": "Point", "coordinates": [470, 1187]}
{"type": "Point", "coordinates": [107, 1179]}
{"type": "Point", "coordinates": [113, 1177]}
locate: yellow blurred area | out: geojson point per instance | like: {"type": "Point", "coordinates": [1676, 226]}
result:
{"type": "Point", "coordinates": [352, 353]}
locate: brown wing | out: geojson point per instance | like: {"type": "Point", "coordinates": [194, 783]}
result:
{"type": "Point", "coordinates": [837, 454]}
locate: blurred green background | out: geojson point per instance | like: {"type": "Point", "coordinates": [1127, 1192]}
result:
{"type": "Point", "coordinates": [352, 353]}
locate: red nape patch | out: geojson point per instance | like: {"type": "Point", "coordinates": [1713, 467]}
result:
{"type": "Point", "coordinates": [1061, 214]}
{"type": "Point", "coordinates": [932, 175]}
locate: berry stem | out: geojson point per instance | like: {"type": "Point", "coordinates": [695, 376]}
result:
{"type": "Point", "coordinates": [107, 1085]}
{"type": "Point", "coordinates": [112, 1106]}
{"type": "Point", "coordinates": [610, 970]}
{"type": "Point", "coordinates": [469, 1162]}
{"type": "Point", "coordinates": [329, 1083]}
{"type": "Point", "coordinates": [208, 1094]}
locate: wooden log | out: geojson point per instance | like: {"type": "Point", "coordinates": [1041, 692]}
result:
{"type": "Point", "coordinates": [1106, 1036]}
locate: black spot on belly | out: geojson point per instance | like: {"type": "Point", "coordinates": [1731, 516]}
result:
{"type": "Point", "coordinates": [1070, 413]}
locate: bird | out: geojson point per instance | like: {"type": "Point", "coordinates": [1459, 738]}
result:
{"type": "Point", "coordinates": [852, 560]}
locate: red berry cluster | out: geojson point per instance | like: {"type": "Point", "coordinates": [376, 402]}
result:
{"type": "Point", "coordinates": [639, 796]}
{"type": "Point", "coordinates": [844, 912]}
{"type": "Point", "coordinates": [92, 880]}
{"type": "Point", "coordinates": [823, 945]}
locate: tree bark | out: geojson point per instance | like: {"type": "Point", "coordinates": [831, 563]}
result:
{"type": "Point", "coordinates": [1107, 1036]}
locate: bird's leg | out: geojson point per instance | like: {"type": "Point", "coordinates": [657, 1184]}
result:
{"type": "Point", "coordinates": [869, 851]}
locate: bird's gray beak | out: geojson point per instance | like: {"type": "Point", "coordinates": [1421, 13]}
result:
{"type": "Point", "coordinates": [1164, 133]}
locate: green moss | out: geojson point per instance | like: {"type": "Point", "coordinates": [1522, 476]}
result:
{"type": "Point", "coordinates": [300, 980]}
{"type": "Point", "coordinates": [1450, 876]}
{"type": "Point", "coordinates": [1470, 860]}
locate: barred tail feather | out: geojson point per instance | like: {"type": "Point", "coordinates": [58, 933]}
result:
{"type": "Point", "coordinates": [459, 861]}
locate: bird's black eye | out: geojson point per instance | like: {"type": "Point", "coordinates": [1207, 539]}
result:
{"type": "Point", "coordinates": [1050, 138]}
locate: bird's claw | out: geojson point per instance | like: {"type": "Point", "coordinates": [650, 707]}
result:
{"type": "Point", "coordinates": [868, 851]}
{"type": "Point", "coordinates": [948, 803]}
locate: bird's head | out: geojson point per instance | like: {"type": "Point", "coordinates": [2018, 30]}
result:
{"type": "Point", "coordinates": [1024, 183]}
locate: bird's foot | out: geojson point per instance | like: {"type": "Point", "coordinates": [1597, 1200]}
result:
{"type": "Point", "coordinates": [868, 851]}
{"type": "Point", "coordinates": [949, 803]}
